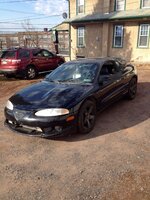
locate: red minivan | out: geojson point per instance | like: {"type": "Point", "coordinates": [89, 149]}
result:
{"type": "Point", "coordinates": [28, 63]}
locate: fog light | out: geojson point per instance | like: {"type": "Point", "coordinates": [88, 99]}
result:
{"type": "Point", "coordinates": [58, 128]}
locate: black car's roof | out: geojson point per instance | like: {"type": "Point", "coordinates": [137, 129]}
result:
{"type": "Point", "coordinates": [94, 60]}
{"type": "Point", "coordinates": [100, 60]}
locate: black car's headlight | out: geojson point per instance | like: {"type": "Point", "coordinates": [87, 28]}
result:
{"type": "Point", "coordinates": [52, 112]}
{"type": "Point", "coordinates": [9, 105]}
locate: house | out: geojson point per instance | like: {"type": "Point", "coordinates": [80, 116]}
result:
{"type": "Point", "coordinates": [42, 39]}
{"type": "Point", "coordinates": [119, 28]}
{"type": "Point", "coordinates": [8, 40]}
{"type": "Point", "coordinates": [55, 40]}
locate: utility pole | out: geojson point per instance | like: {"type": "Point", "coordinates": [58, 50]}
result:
{"type": "Point", "coordinates": [1, 45]}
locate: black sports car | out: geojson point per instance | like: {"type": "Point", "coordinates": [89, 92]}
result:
{"type": "Point", "coordinates": [70, 96]}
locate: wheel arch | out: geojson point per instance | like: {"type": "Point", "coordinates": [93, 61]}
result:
{"type": "Point", "coordinates": [90, 98]}
{"type": "Point", "coordinates": [31, 65]}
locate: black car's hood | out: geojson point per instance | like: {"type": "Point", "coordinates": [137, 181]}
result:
{"type": "Point", "coordinates": [47, 94]}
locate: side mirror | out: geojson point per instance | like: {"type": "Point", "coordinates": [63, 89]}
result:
{"type": "Point", "coordinates": [103, 79]}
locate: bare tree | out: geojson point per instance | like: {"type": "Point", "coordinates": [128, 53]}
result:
{"type": "Point", "coordinates": [31, 37]}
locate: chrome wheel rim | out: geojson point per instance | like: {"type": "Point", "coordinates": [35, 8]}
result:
{"type": "Point", "coordinates": [31, 73]}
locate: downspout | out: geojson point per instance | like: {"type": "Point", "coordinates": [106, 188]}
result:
{"type": "Point", "coordinates": [69, 31]}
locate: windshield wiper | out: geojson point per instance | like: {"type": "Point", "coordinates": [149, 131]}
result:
{"type": "Point", "coordinates": [67, 80]}
{"type": "Point", "coordinates": [53, 81]}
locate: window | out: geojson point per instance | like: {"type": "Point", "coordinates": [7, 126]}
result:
{"type": "Point", "coordinates": [80, 37]}
{"type": "Point", "coordinates": [23, 54]}
{"type": "Point", "coordinates": [109, 73]}
{"type": "Point", "coordinates": [145, 3]}
{"type": "Point", "coordinates": [47, 54]}
{"type": "Point", "coordinates": [118, 36]}
{"type": "Point", "coordinates": [9, 54]}
{"type": "Point", "coordinates": [109, 68]}
{"type": "Point", "coordinates": [120, 5]}
{"type": "Point", "coordinates": [75, 73]}
{"type": "Point", "coordinates": [143, 35]}
{"type": "Point", "coordinates": [80, 6]}
{"type": "Point", "coordinates": [43, 53]}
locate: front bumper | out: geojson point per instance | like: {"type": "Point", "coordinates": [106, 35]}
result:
{"type": "Point", "coordinates": [25, 122]}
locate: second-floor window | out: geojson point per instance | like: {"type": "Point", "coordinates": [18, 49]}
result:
{"type": "Point", "coordinates": [144, 35]}
{"type": "Point", "coordinates": [120, 5]}
{"type": "Point", "coordinates": [145, 3]}
{"type": "Point", "coordinates": [80, 6]}
{"type": "Point", "coordinates": [118, 36]}
{"type": "Point", "coordinates": [80, 37]}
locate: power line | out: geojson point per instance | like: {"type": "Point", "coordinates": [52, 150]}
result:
{"type": "Point", "coordinates": [35, 18]}
{"type": "Point", "coordinates": [17, 1]}
{"type": "Point", "coordinates": [18, 11]}
{"type": "Point", "coordinates": [12, 20]}
{"type": "Point", "coordinates": [28, 17]}
{"type": "Point", "coordinates": [19, 28]}
{"type": "Point", "coordinates": [19, 23]}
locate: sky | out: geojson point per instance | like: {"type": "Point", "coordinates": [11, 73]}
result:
{"type": "Point", "coordinates": [20, 15]}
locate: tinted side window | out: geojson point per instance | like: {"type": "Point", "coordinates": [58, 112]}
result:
{"type": "Point", "coordinates": [47, 53]}
{"type": "Point", "coordinates": [35, 52]}
{"type": "Point", "coordinates": [109, 68]}
{"type": "Point", "coordinates": [23, 54]}
{"type": "Point", "coordinates": [9, 54]}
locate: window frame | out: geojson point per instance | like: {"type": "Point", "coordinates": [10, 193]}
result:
{"type": "Point", "coordinates": [78, 5]}
{"type": "Point", "coordinates": [148, 36]}
{"type": "Point", "coordinates": [142, 4]}
{"type": "Point", "coordinates": [114, 36]}
{"type": "Point", "coordinates": [78, 29]}
{"type": "Point", "coordinates": [119, 9]}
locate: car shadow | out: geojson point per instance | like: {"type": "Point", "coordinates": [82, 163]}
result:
{"type": "Point", "coordinates": [119, 116]}
{"type": "Point", "coordinates": [13, 79]}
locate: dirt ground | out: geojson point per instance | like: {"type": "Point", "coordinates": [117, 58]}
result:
{"type": "Point", "coordinates": [111, 163]}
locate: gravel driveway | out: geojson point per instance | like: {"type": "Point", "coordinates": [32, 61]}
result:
{"type": "Point", "coordinates": [111, 163]}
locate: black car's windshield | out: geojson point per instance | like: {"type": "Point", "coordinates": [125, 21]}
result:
{"type": "Point", "coordinates": [76, 73]}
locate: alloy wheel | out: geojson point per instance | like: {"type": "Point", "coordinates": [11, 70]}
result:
{"type": "Point", "coordinates": [87, 116]}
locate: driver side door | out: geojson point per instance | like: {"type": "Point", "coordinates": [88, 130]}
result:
{"type": "Point", "coordinates": [50, 60]}
{"type": "Point", "coordinates": [45, 60]}
{"type": "Point", "coordinates": [110, 83]}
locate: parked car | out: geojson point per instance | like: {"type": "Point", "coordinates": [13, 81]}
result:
{"type": "Point", "coordinates": [28, 63]}
{"type": "Point", "coordinates": [70, 97]}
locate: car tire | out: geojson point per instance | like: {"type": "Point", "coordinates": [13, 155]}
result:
{"type": "Point", "coordinates": [87, 117]}
{"type": "Point", "coordinates": [132, 89]}
{"type": "Point", "coordinates": [31, 72]}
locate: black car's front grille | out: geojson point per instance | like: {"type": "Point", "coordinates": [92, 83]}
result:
{"type": "Point", "coordinates": [20, 114]}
